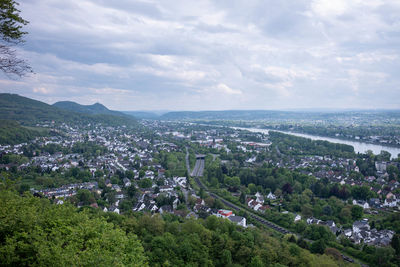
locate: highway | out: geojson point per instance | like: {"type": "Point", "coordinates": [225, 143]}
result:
{"type": "Point", "coordinates": [198, 169]}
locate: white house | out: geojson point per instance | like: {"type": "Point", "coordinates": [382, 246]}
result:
{"type": "Point", "coordinates": [361, 203]}
{"type": "Point", "coordinates": [271, 196]}
{"type": "Point", "coordinates": [391, 203]}
{"type": "Point", "coordinates": [238, 220]}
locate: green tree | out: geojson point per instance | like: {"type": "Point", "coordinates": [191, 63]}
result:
{"type": "Point", "coordinates": [395, 243]}
{"type": "Point", "coordinates": [85, 196]}
{"type": "Point", "coordinates": [357, 212]}
{"type": "Point", "coordinates": [145, 183]}
{"type": "Point", "coordinates": [256, 262]}
{"type": "Point", "coordinates": [11, 33]}
{"type": "Point", "coordinates": [242, 197]}
{"type": "Point", "coordinates": [41, 234]}
{"type": "Point", "coordinates": [318, 246]}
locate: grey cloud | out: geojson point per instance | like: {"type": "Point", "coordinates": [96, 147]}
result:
{"type": "Point", "coordinates": [212, 54]}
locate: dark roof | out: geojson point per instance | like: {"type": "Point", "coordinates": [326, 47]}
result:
{"type": "Point", "coordinates": [236, 219]}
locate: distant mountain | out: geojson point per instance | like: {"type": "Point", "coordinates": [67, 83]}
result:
{"type": "Point", "coordinates": [229, 115]}
{"type": "Point", "coordinates": [96, 108]}
{"type": "Point", "coordinates": [142, 114]}
{"type": "Point", "coordinates": [29, 112]}
{"type": "Point", "coordinates": [273, 115]}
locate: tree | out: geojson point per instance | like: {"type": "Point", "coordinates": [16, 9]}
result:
{"type": "Point", "coordinates": [85, 196]}
{"type": "Point", "coordinates": [287, 188]}
{"type": "Point", "coordinates": [334, 253]}
{"type": "Point", "coordinates": [357, 212]}
{"type": "Point", "coordinates": [242, 197]}
{"type": "Point", "coordinates": [11, 33]}
{"type": "Point", "coordinates": [396, 243]}
{"type": "Point", "coordinates": [145, 183]}
{"type": "Point", "coordinates": [318, 247]}
{"type": "Point", "coordinates": [41, 234]}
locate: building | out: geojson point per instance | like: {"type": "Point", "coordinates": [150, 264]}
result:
{"type": "Point", "coordinates": [238, 220]}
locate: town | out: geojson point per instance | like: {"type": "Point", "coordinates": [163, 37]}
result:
{"type": "Point", "coordinates": [120, 170]}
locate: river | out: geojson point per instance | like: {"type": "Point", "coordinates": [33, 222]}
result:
{"type": "Point", "coordinates": [360, 147]}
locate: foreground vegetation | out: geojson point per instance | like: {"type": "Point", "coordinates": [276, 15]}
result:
{"type": "Point", "coordinates": [34, 232]}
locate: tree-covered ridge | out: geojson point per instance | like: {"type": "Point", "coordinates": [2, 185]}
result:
{"type": "Point", "coordinates": [34, 232]}
{"type": "Point", "coordinates": [247, 116]}
{"type": "Point", "coordinates": [13, 133]}
{"type": "Point", "coordinates": [96, 108]}
{"type": "Point", "coordinates": [29, 112]}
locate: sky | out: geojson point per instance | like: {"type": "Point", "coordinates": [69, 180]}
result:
{"type": "Point", "coordinates": [212, 55]}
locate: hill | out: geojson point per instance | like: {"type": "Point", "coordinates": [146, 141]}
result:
{"type": "Point", "coordinates": [142, 114]}
{"type": "Point", "coordinates": [276, 115]}
{"type": "Point", "coordinates": [96, 108]}
{"type": "Point", "coordinates": [12, 133]}
{"type": "Point", "coordinates": [230, 115]}
{"type": "Point", "coordinates": [30, 112]}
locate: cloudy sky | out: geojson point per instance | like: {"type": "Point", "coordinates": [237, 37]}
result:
{"type": "Point", "coordinates": [212, 55]}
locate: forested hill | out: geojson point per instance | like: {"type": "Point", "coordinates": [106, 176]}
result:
{"type": "Point", "coordinates": [96, 108]}
{"type": "Point", "coordinates": [11, 132]}
{"type": "Point", "coordinates": [228, 115]}
{"type": "Point", "coordinates": [276, 115]}
{"type": "Point", "coordinates": [30, 112]}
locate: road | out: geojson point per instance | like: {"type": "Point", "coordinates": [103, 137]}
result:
{"type": "Point", "coordinates": [198, 169]}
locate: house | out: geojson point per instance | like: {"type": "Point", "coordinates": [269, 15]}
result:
{"type": "Point", "coordinates": [114, 209]}
{"type": "Point", "coordinates": [374, 202]}
{"type": "Point", "coordinates": [139, 206]}
{"type": "Point", "coordinates": [332, 226]}
{"type": "Point", "coordinates": [152, 207]}
{"type": "Point", "coordinates": [166, 209]}
{"type": "Point", "coordinates": [361, 203]}
{"type": "Point", "coordinates": [181, 181]}
{"type": "Point", "coordinates": [119, 196]}
{"type": "Point", "coordinates": [224, 213]}
{"type": "Point", "coordinates": [271, 196]}
{"type": "Point", "coordinates": [380, 166]}
{"type": "Point", "coordinates": [348, 232]}
{"type": "Point", "coordinates": [239, 220]}
{"type": "Point", "coordinates": [259, 197]}
{"type": "Point", "coordinates": [166, 188]}
{"type": "Point", "coordinates": [297, 218]}
{"type": "Point", "coordinates": [127, 182]}
{"type": "Point", "coordinates": [313, 220]}
{"type": "Point", "coordinates": [175, 203]}
{"type": "Point", "coordinates": [391, 203]}
{"type": "Point", "coordinates": [360, 226]}
{"type": "Point", "coordinates": [116, 187]}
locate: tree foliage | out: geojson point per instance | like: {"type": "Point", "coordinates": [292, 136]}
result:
{"type": "Point", "coordinates": [11, 33]}
{"type": "Point", "coordinates": [33, 232]}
